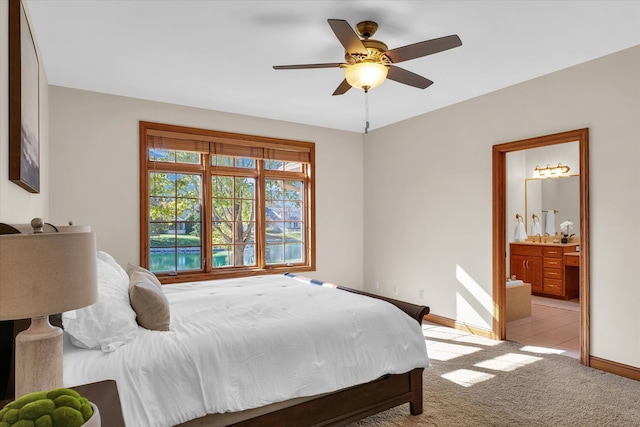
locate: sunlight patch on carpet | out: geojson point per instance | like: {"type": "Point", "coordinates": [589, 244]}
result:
{"type": "Point", "coordinates": [466, 377]}
{"type": "Point", "coordinates": [477, 339]}
{"type": "Point", "coordinates": [444, 351]}
{"type": "Point", "coordinates": [541, 350]}
{"type": "Point", "coordinates": [432, 330]}
{"type": "Point", "coordinates": [508, 362]}
{"type": "Point", "coordinates": [442, 333]}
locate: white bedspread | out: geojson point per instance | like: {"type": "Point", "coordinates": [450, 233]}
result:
{"type": "Point", "coordinates": [243, 343]}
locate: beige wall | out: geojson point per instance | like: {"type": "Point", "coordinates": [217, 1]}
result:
{"type": "Point", "coordinates": [436, 232]}
{"type": "Point", "coordinates": [17, 206]}
{"type": "Point", "coordinates": [94, 173]}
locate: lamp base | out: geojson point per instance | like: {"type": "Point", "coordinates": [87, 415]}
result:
{"type": "Point", "coordinates": [38, 357]}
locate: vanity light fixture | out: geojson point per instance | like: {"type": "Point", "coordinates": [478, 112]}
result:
{"type": "Point", "coordinates": [550, 171]}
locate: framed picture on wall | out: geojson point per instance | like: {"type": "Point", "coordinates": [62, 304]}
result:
{"type": "Point", "coordinates": [24, 101]}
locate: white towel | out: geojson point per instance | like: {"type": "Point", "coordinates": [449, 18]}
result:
{"type": "Point", "coordinates": [550, 223]}
{"type": "Point", "coordinates": [514, 282]}
{"type": "Point", "coordinates": [535, 228]}
{"type": "Point", "coordinates": [521, 234]}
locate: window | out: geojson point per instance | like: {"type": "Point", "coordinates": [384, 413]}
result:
{"type": "Point", "coordinates": [216, 205]}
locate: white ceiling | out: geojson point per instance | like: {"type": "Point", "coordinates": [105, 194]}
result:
{"type": "Point", "coordinates": [219, 55]}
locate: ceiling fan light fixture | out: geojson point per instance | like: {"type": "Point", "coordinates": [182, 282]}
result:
{"type": "Point", "coordinates": [366, 74]}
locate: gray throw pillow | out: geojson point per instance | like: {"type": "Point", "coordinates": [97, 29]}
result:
{"type": "Point", "coordinates": [149, 275]}
{"type": "Point", "coordinates": [149, 302]}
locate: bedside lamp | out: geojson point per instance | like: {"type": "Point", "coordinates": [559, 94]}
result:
{"type": "Point", "coordinates": [43, 274]}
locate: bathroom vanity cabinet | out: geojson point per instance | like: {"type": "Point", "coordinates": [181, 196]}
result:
{"type": "Point", "coordinates": [542, 265]}
{"type": "Point", "coordinates": [526, 265]}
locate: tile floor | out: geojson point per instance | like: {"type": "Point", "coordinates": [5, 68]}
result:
{"type": "Point", "coordinates": [550, 327]}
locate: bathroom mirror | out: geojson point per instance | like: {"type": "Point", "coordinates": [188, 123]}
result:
{"type": "Point", "coordinates": [559, 195]}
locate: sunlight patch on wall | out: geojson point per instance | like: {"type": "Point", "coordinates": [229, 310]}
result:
{"type": "Point", "coordinates": [508, 362]}
{"type": "Point", "coordinates": [466, 377]}
{"type": "Point", "coordinates": [469, 311]}
{"type": "Point", "coordinates": [468, 314]}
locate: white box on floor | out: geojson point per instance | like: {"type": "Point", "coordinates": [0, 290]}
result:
{"type": "Point", "coordinates": [518, 301]}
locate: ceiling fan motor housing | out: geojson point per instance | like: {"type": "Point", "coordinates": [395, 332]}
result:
{"type": "Point", "coordinates": [376, 53]}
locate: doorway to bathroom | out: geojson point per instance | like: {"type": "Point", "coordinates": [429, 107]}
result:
{"type": "Point", "coordinates": [501, 226]}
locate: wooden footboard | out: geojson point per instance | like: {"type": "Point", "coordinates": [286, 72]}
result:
{"type": "Point", "coordinates": [352, 404]}
{"type": "Point", "coordinates": [335, 409]}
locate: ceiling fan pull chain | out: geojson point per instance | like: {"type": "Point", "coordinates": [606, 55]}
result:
{"type": "Point", "coordinates": [366, 111]}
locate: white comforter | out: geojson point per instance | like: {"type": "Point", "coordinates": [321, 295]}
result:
{"type": "Point", "coordinates": [243, 343]}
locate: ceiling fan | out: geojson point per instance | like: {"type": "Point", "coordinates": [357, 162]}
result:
{"type": "Point", "coordinates": [369, 62]}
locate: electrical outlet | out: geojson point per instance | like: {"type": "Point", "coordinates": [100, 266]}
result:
{"type": "Point", "coordinates": [421, 293]}
{"type": "Point", "coordinates": [395, 289]}
{"type": "Point", "coordinates": [377, 285]}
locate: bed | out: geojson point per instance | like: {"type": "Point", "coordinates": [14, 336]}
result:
{"type": "Point", "coordinates": [263, 350]}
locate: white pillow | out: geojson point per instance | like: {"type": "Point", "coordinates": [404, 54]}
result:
{"type": "Point", "coordinates": [110, 322]}
{"type": "Point", "coordinates": [112, 262]}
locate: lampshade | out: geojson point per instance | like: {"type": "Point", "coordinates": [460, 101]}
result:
{"type": "Point", "coordinates": [46, 273]}
{"type": "Point", "coordinates": [43, 274]}
{"type": "Point", "coordinates": [366, 75]}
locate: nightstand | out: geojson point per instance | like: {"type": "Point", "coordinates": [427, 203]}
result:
{"type": "Point", "coordinates": [105, 395]}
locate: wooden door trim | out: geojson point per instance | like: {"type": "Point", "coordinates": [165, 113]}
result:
{"type": "Point", "coordinates": [499, 184]}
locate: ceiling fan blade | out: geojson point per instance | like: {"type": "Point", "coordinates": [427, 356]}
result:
{"type": "Point", "coordinates": [344, 86]}
{"type": "Point", "coordinates": [424, 48]}
{"type": "Point", "coordinates": [401, 75]}
{"type": "Point", "coordinates": [303, 66]}
{"type": "Point", "coordinates": [347, 36]}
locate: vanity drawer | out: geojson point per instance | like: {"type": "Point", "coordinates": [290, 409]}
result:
{"type": "Point", "coordinates": [531, 250]}
{"type": "Point", "coordinates": [553, 252]}
{"type": "Point", "coordinates": [552, 262]}
{"type": "Point", "coordinates": [553, 273]}
{"type": "Point", "coordinates": [552, 286]}
{"type": "Point", "coordinates": [572, 260]}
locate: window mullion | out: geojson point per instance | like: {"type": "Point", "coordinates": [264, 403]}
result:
{"type": "Point", "coordinates": [306, 213]}
{"type": "Point", "coordinates": [176, 247]}
{"type": "Point", "coordinates": [260, 216]}
{"type": "Point", "coordinates": [207, 214]}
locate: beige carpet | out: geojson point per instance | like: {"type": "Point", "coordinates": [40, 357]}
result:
{"type": "Point", "coordinates": [473, 381]}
